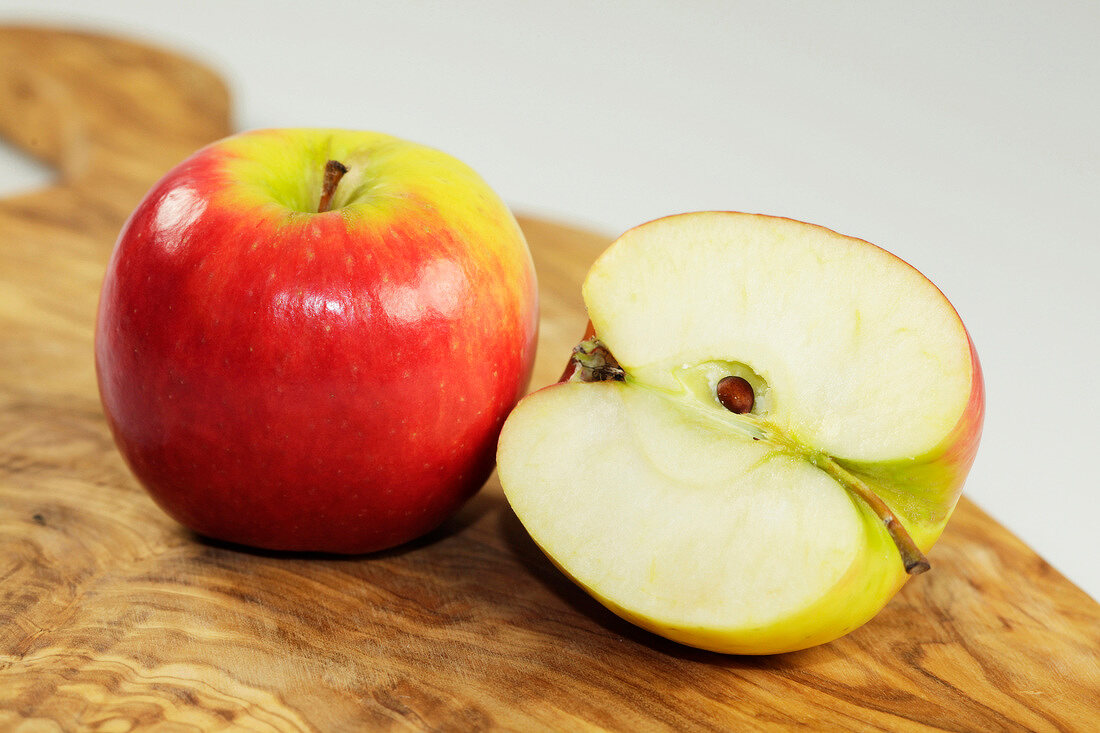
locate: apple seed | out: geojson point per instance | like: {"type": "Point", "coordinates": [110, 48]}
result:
{"type": "Point", "coordinates": [735, 394]}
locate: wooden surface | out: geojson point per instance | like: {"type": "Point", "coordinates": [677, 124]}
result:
{"type": "Point", "coordinates": [112, 617]}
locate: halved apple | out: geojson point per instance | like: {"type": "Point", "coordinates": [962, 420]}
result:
{"type": "Point", "coordinates": [770, 426]}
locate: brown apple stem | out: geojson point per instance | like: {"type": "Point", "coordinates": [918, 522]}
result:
{"type": "Point", "coordinates": [911, 556]}
{"type": "Point", "coordinates": [334, 171]}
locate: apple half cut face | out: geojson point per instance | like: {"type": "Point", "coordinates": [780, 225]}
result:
{"type": "Point", "coordinates": [770, 426]}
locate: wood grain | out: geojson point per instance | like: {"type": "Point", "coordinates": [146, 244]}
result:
{"type": "Point", "coordinates": [114, 618]}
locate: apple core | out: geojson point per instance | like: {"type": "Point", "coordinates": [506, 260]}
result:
{"type": "Point", "coordinates": [592, 361]}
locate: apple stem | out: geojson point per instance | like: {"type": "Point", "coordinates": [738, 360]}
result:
{"type": "Point", "coordinates": [911, 556]}
{"type": "Point", "coordinates": [334, 171]}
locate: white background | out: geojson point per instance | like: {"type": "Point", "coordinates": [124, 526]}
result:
{"type": "Point", "coordinates": [963, 136]}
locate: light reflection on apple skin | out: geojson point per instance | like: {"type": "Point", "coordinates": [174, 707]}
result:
{"type": "Point", "coordinates": [176, 213]}
{"type": "Point", "coordinates": [438, 291]}
{"type": "Point", "coordinates": [327, 382]}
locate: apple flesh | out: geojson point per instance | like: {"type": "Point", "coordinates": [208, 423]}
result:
{"type": "Point", "coordinates": [757, 525]}
{"type": "Point", "coordinates": [297, 364]}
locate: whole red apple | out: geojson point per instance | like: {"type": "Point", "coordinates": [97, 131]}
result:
{"type": "Point", "coordinates": [293, 360]}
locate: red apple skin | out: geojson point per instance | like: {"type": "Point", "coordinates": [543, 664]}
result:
{"type": "Point", "coordinates": [331, 382]}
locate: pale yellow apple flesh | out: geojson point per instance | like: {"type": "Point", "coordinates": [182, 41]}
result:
{"type": "Point", "coordinates": [750, 533]}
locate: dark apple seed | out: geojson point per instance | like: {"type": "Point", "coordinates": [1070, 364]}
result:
{"type": "Point", "coordinates": [735, 394]}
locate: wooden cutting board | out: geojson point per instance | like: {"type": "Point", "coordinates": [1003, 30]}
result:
{"type": "Point", "coordinates": [113, 617]}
